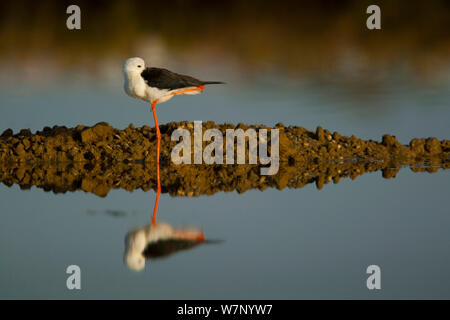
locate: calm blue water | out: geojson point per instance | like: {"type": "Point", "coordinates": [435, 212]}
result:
{"type": "Point", "coordinates": [298, 243]}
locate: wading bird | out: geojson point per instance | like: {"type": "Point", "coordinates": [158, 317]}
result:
{"type": "Point", "coordinates": [156, 85]}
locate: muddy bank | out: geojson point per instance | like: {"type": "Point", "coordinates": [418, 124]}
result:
{"type": "Point", "coordinates": [99, 158]}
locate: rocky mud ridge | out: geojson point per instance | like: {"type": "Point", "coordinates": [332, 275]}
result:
{"type": "Point", "coordinates": [100, 158]}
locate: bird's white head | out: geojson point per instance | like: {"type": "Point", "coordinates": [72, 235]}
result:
{"type": "Point", "coordinates": [133, 66]}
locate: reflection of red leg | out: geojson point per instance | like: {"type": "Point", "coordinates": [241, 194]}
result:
{"type": "Point", "coordinates": [158, 136]}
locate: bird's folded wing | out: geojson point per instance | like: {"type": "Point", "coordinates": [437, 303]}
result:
{"type": "Point", "coordinates": [165, 79]}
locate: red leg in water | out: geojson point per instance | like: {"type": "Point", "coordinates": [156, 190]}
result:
{"type": "Point", "coordinates": [158, 136]}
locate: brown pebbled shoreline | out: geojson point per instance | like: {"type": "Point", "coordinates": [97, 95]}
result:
{"type": "Point", "coordinates": [100, 158]}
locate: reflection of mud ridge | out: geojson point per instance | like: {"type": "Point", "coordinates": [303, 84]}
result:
{"type": "Point", "coordinates": [100, 158]}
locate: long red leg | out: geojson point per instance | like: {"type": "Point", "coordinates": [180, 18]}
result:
{"type": "Point", "coordinates": [158, 136]}
{"type": "Point", "coordinates": [199, 88]}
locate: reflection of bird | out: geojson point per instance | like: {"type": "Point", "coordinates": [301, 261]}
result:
{"type": "Point", "coordinates": [156, 241]}
{"type": "Point", "coordinates": [157, 85]}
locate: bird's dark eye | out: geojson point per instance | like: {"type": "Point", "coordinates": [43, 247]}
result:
{"type": "Point", "coordinates": [139, 66]}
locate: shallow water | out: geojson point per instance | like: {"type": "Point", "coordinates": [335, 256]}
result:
{"type": "Point", "coordinates": [403, 108]}
{"type": "Point", "coordinates": [294, 243]}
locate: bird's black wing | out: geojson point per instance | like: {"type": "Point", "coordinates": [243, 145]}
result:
{"type": "Point", "coordinates": [165, 79]}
